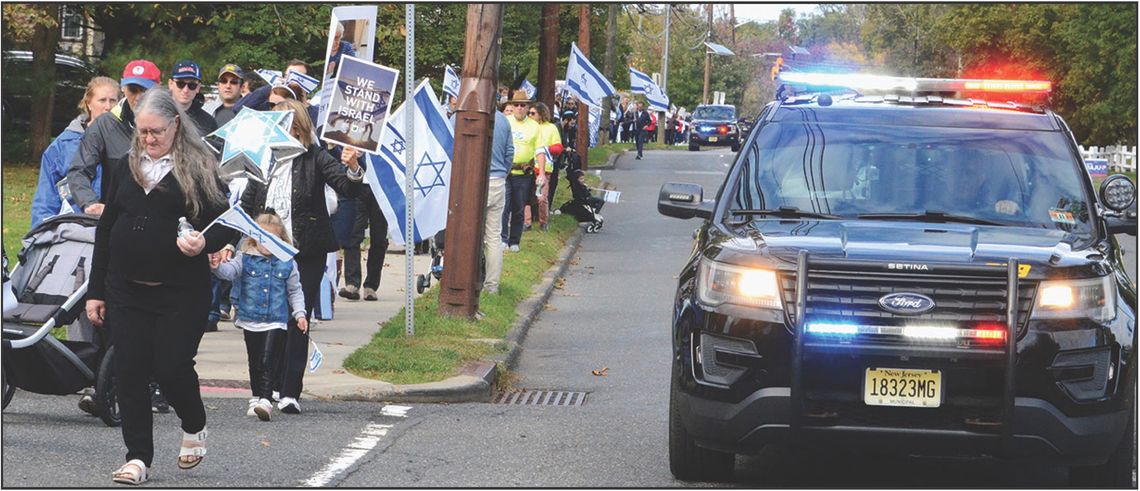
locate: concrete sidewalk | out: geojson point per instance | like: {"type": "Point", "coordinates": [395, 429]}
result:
{"type": "Point", "coordinates": [222, 362]}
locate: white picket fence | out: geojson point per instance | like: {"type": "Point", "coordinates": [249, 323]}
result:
{"type": "Point", "coordinates": [1119, 157]}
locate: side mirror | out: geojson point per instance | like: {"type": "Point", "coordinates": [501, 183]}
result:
{"type": "Point", "coordinates": [683, 200]}
{"type": "Point", "coordinates": [1125, 224]}
{"type": "Point", "coordinates": [1117, 193]}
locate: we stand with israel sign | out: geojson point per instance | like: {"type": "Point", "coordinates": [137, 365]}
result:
{"type": "Point", "coordinates": [359, 105]}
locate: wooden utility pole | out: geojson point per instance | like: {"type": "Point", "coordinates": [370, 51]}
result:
{"type": "Point", "coordinates": [548, 55]}
{"type": "Point", "coordinates": [708, 57]}
{"type": "Point", "coordinates": [604, 128]}
{"type": "Point", "coordinates": [474, 130]}
{"type": "Point", "coordinates": [582, 145]}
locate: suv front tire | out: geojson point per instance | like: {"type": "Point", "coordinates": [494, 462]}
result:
{"type": "Point", "coordinates": [687, 461]}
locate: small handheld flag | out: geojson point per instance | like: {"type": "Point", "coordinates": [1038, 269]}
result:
{"type": "Point", "coordinates": [237, 219]}
{"type": "Point", "coordinates": [316, 358]}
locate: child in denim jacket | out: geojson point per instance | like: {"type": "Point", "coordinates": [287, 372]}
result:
{"type": "Point", "coordinates": [269, 291]}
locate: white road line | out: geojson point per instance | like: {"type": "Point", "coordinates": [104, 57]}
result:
{"type": "Point", "coordinates": [360, 447]}
{"type": "Point", "coordinates": [397, 411]}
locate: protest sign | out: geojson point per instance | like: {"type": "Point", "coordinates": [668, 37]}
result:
{"type": "Point", "coordinates": [1097, 167]}
{"type": "Point", "coordinates": [352, 32]}
{"type": "Point", "coordinates": [359, 104]}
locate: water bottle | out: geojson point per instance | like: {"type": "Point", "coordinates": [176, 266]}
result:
{"type": "Point", "coordinates": [184, 227]}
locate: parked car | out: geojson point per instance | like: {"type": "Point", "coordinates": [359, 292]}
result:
{"type": "Point", "coordinates": [72, 75]}
{"type": "Point", "coordinates": [714, 125]}
{"type": "Point", "coordinates": [907, 274]}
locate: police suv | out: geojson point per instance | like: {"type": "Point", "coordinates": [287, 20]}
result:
{"type": "Point", "coordinates": [906, 265]}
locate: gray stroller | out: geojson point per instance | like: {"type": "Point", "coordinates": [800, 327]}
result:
{"type": "Point", "coordinates": [50, 283]}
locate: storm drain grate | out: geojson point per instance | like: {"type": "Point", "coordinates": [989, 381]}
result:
{"type": "Point", "coordinates": [541, 398]}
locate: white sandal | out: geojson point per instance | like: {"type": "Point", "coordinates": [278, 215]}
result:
{"type": "Point", "coordinates": [193, 445]}
{"type": "Point", "coordinates": [133, 472]}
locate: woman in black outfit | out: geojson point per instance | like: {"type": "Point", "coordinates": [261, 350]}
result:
{"type": "Point", "coordinates": [296, 192]}
{"type": "Point", "coordinates": [153, 285]}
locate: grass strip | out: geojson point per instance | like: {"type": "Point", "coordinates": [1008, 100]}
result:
{"type": "Point", "coordinates": [442, 344]}
{"type": "Point", "coordinates": [19, 187]}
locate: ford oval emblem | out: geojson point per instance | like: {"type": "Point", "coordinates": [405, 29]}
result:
{"type": "Point", "coordinates": [906, 303]}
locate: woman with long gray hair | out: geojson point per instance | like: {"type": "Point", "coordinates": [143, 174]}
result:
{"type": "Point", "coordinates": [150, 280]}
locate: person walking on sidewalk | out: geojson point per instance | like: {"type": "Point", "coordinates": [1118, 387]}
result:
{"type": "Point", "coordinates": [150, 281]}
{"type": "Point", "coordinates": [269, 294]}
{"type": "Point", "coordinates": [296, 192]}
{"type": "Point", "coordinates": [368, 216]}
{"type": "Point", "coordinates": [548, 147]}
{"type": "Point", "coordinates": [520, 182]}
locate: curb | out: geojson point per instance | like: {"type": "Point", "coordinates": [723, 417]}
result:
{"type": "Point", "coordinates": [477, 379]}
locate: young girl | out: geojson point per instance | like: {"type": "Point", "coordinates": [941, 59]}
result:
{"type": "Point", "coordinates": [269, 292]}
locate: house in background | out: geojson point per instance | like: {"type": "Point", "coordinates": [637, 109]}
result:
{"type": "Point", "coordinates": [78, 36]}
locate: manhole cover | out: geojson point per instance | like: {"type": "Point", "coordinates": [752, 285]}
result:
{"type": "Point", "coordinates": [541, 398]}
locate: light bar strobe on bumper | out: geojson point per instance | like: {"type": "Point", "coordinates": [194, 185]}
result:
{"type": "Point", "coordinates": [916, 332]}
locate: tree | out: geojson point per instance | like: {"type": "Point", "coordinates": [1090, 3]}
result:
{"type": "Point", "coordinates": [786, 27]}
{"type": "Point", "coordinates": [38, 26]}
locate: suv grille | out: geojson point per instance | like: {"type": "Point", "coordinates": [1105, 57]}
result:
{"type": "Point", "coordinates": [854, 296]}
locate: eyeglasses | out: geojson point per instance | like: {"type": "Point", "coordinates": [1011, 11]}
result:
{"type": "Point", "coordinates": [146, 133]}
{"type": "Point", "coordinates": [183, 85]}
{"type": "Point", "coordinates": [224, 81]}
{"type": "Point", "coordinates": [533, 113]}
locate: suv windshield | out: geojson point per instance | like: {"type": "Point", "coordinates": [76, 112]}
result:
{"type": "Point", "coordinates": [724, 113]}
{"type": "Point", "coordinates": [1009, 177]}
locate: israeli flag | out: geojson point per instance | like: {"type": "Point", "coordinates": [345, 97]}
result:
{"type": "Point", "coordinates": [237, 219]}
{"type": "Point", "coordinates": [585, 81]}
{"type": "Point", "coordinates": [386, 175]}
{"type": "Point", "coordinates": [529, 88]}
{"type": "Point", "coordinates": [595, 123]}
{"type": "Point", "coordinates": [450, 82]}
{"type": "Point", "coordinates": [309, 84]}
{"type": "Point", "coordinates": [641, 83]}
{"type": "Point", "coordinates": [316, 358]}
{"type": "Point", "coordinates": [271, 77]}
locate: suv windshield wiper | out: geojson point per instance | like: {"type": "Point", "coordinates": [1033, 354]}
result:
{"type": "Point", "coordinates": [785, 212]}
{"type": "Point", "coordinates": [930, 216]}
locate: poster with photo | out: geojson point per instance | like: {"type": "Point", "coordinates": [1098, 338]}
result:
{"type": "Point", "coordinates": [359, 103]}
{"type": "Point", "coordinates": [352, 32]}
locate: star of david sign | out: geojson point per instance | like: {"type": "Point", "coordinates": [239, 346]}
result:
{"type": "Point", "coordinates": [253, 142]}
{"type": "Point", "coordinates": [437, 181]}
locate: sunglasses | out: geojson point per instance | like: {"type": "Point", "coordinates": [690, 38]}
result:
{"type": "Point", "coordinates": [533, 113]}
{"type": "Point", "coordinates": [183, 85]}
{"type": "Point", "coordinates": [227, 81]}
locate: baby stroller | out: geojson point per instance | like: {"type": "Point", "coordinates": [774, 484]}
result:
{"type": "Point", "coordinates": [423, 281]}
{"type": "Point", "coordinates": [583, 206]}
{"type": "Point", "coordinates": [50, 284]}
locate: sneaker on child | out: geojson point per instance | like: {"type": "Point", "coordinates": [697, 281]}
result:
{"type": "Point", "coordinates": [289, 405]}
{"type": "Point", "coordinates": [264, 409]}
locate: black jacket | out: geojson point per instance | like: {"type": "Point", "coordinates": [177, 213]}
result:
{"type": "Point", "coordinates": [107, 138]}
{"type": "Point", "coordinates": [137, 233]}
{"type": "Point", "coordinates": [312, 230]}
{"type": "Point", "coordinates": [643, 120]}
{"type": "Point", "coordinates": [202, 119]}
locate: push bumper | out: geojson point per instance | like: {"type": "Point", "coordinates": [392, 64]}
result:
{"type": "Point", "coordinates": [1040, 431]}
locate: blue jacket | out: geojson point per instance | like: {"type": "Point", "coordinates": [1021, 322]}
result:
{"type": "Point", "coordinates": [502, 146]}
{"type": "Point", "coordinates": [267, 286]}
{"type": "Point", "coordinates": [53, 168]}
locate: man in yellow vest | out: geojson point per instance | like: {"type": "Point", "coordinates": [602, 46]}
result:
{"type": "Point", "coordinates": [524, 171]}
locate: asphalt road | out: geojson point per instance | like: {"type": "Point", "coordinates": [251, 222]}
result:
{"type": "Point", "coordinates": [611, 316]}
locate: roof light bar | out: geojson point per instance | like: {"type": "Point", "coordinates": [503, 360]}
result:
{"type": "Point", "coordinates": [863, 82]}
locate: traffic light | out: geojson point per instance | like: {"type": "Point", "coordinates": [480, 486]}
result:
{"type": "Point", "coordinates": [776, 68]}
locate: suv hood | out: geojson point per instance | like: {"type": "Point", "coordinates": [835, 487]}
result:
{"type": "Point", "coordinates": [914, 242]}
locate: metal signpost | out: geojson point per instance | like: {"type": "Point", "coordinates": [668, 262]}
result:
{"type": "Point", "coordinates": [410, 175]}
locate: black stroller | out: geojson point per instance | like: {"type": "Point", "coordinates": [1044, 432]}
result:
{"type": "Point", "coordinates": [583, 205]}
{"type": "Point", "coordinates": [50, 284]}
{"type": "Point", "coordinates": [423, 281]}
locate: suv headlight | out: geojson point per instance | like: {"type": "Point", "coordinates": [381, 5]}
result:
{"type": "Point", "coordinates": [719, 283]}
{"type": "Point", "coordinates": [1093, 298]}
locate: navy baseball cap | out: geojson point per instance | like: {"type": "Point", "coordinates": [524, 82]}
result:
{"type": "Point", "coordinates": [231, 69]}
{"type": "Point", "coordinates": [186, 69]}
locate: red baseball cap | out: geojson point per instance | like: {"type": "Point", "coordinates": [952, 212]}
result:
{"type": "Point", "coordinates": [142, 73]}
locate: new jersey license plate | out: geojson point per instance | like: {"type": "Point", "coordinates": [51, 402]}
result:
{"type": "Point", "coordinates": [712, 139]}
{"type": "Point", "coordinates": [902, 387]}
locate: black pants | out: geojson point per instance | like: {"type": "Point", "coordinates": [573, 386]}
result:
{"type": "Point", "coordinates": [368, 214]}
{"type": "Point", "coordinates": [293, 346]}
{"type": "Point", "coordinates": [641, 135]}
{"type": "Point", "coordinates": [261, 350]}
{"type": "Point", "coordinates": [156, 331]}
{"type": "Point", "coordinates": [553, 177]}
{"type": "Point", "coordinates": [519, 189]}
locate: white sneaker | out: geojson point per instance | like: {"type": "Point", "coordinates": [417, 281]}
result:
{"type": "Point", "coordinates": [289, 405]}
{"type": "Point", "coordinates": [515, 248]}
{"type": "Point", "coordinates": [252, 404]}
{"type": "Point", "coordinates": [263, 409]}
{"type": "Point", "coordinates": [276, 396]}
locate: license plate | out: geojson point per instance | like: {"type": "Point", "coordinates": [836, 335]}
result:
{"type": "Point", "coordinates": [712, 139]}
{"type": "Point", "coordinates": [902, 387]}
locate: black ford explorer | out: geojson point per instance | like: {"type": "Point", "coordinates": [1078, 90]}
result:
{"type": "Point", "coordinates": [917, 273]}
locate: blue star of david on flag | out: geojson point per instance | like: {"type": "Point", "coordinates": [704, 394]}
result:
{"type": "Point", "coordinates": [431, 167]}
{"type": "Point", "coordinates": [253, 142]}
